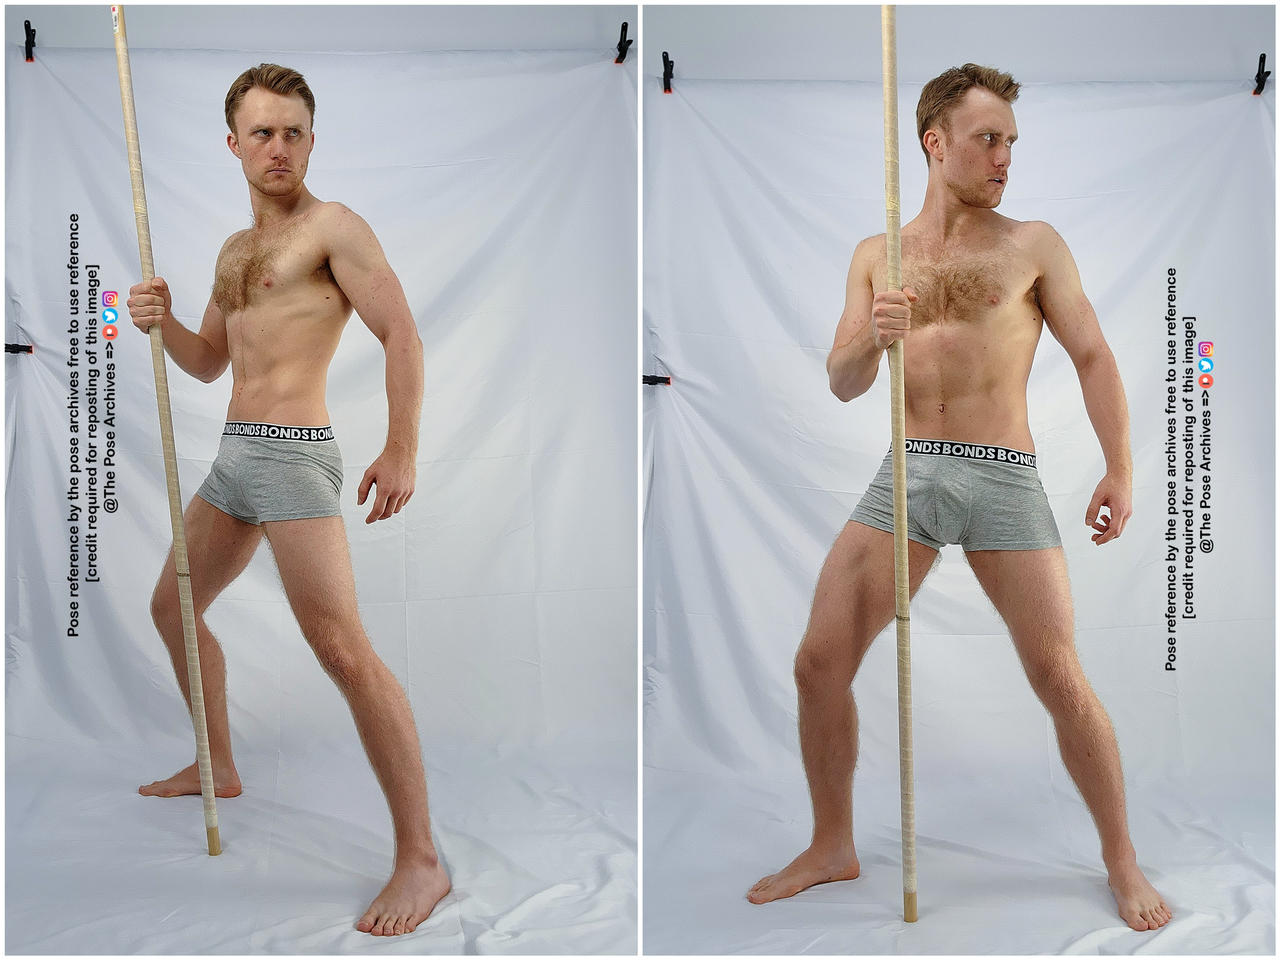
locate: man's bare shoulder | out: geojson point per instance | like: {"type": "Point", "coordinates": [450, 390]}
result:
{"type": "Point", "coordinates": [868, 252]}
{"type": "Point", "coordinates": [1036, 233]}
{"type": "Point", "coordinates": [1042, 243]}
{"type": "Point", "coordinates": [233, 241]}
{"type": "Point", "coordinates": [871, 246]}
{"type": "Point", "coordinates": [333, 215]}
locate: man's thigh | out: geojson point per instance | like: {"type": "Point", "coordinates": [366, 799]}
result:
{"type": "Point", "coordinates": [1032, 593]}
{"type": "Point", "coordinates": [855, 596]}
{"type": "Point", "coordinates": [315, 568]}
{"type": "Point", "coordinates": [219, 547]}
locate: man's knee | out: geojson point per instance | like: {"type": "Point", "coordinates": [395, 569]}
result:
{"type": "Point", "coordinates": [166, 613]}
{"type": "Point", "coordinates": [1061, 685]}
{"type": "Point", "coordinates": [821, 672]}
{"type": "Point", "coordinates": [342, 650]}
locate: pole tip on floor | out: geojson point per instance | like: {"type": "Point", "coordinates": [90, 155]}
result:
{"type": "Point", "coordinates": [215, 842]}
{"type": "Point", "coordinates": [909, 906]}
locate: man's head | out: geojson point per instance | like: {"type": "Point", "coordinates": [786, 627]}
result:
{"type": "Point", "coordinates": [271, 77]}
{"type": "Point", "coordinates": [269, 111]}
{"type": "Point", "coordinates": [966, 129]}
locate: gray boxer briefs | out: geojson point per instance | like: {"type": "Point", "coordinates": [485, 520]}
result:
{"type": "Point", "coordinates": [980, 496]}
{"type": "Point", "coordinates": [266, 471]}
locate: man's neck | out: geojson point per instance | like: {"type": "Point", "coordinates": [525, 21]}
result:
{"type": "Point", "coordinates": [268, 211]}
{"type": "Point", "coordinates": [945, 217]}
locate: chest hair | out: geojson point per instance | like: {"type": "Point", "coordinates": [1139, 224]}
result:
{"type": "Point", "coordinates": [249, 263]}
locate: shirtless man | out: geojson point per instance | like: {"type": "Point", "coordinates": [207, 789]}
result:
{"type": "Point", "coordinates": [979, 288]}
{"type": "Point", "coordinates": [282, 293]}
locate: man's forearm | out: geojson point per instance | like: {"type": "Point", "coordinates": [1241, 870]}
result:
{"type": "Point", "coordinates": [1108, 411]}
{"type": "Point", "coordinates": [404, 390]}
{"type": "Point", "coordinates": [190, 351]}
{"type": "Point", "coordinates": [852, 368]}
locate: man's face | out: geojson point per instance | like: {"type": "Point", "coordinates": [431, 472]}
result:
{"type": "Point", "coordinates": [273, 140]}
{"type": "Point", "coordinates": [977, 152]}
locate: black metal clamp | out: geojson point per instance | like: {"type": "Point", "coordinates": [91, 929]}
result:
{"type": "Point", "coordinates": [31, 41]}
{"type": "Point", "coordinates": [1262, 74]}
{"type": "Point", "coordinates": [668, 70]}
{"type": "Point", "coordinates": [623, 44]}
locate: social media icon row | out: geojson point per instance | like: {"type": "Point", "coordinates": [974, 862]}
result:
{"type": "Point", "coordinates": [1205, 350]}
{"type": "Point", "coordinates": [110, 299]}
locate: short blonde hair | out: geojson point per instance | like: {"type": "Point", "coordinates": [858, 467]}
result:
{"type": "Point", "coordinates": [272, 77]}
{"type": "Point", "coordinates": [944, 91]}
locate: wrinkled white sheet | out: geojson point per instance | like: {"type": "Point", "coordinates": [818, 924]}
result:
{"type": "Point", "coordinates": [755, 196]}
{"type": "Point", "coordinates": [503, 596]}
{"type": "Point", "coordinates": [541, 850]}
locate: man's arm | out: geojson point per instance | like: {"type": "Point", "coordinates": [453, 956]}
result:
{"type": "Point", "coordinates": [854, 360]}
{"type": "Point", "coordinates": [203, 355]}
{"type": "Point", "coordinates": [1073, 323]}
{"type": "Point", "coordinates": [360, 268]}
{"type": "Point", "coordinates": [869, 324]}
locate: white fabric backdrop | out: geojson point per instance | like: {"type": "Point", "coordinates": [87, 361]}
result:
{"type": "Point", "coordinates": [755, 195]}
{"type": "Point", "coordinates": [503, 596]}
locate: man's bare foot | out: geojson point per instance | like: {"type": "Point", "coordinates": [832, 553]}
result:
{"type": "Point", "coordinates": [815, 865]}
{"type": "Point", "coordinates": [1140, 906]}
{"type": "Point", "coordinates": [408, 898]}
{"type": "Point", "coordinates": [187, 782]}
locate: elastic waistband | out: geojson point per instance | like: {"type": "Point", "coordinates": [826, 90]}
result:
{"type": "Point", "coordinates": [276, 431]}
{"type": "Point", "coordinates": [971, 451]}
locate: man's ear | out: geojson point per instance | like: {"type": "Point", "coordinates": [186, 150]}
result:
{"type": "Point", "coordinates": [233, 145]}
{"type": "Point", "coordinates": [933, 143]}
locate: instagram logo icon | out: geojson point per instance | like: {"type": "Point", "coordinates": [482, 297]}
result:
{"type": "Point", "coordinates": [110, 298]}
{"type": "Point", "coordinates": [1205, 348]}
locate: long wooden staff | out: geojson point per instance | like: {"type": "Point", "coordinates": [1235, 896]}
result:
{"type": "Point", "coordinates": [166, 441]}
{"type": "Point", "coordinates": [902, 588]}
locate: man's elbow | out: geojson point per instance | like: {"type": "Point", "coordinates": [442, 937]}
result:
{"type": "Point", "coordinates": [840, 387]}
{"type": "Point", "coordinates": [844, 391]}
{"type": "Point", "coordinates": [1098, 358]}
{"type": "Point", "coordinates": [402, 336]}
{"type": "Point", "coordinates": [213, 371]}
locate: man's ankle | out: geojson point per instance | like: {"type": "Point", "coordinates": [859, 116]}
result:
{"type": "Point", "coordinates": [1123, 856]}
{"type": "Point", "coordinates": [417, 856]}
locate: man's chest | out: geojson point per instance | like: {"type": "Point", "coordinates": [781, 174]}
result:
{"type": "Point", "coordinates": [970, 285]}
{"type": "Point", "coordinates": [261, 265]}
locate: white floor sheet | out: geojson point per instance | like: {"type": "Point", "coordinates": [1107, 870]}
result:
{"type": "Point", "coordinates": [755, 195]}
{"type": "Point", "coordinates": [502, 597]}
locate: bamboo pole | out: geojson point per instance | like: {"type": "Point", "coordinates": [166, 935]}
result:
{"type": "Point", "coordinates": [203, 761]}
{"type": "Point", "coordinates": [901, 570]}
